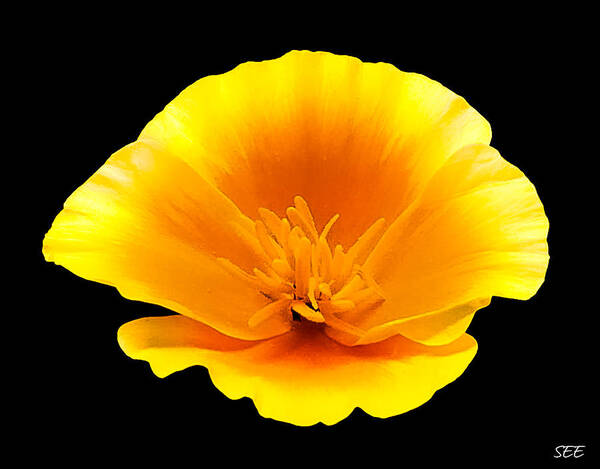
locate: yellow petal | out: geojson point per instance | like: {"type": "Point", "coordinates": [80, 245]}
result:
{"type": "Point", "coordinates": [478, 230]}
{"type": "Point", "coordinates": [302, 377]}
{"type": "Point", "coordinates": [358, 139]}
{"type": "Point", "coordinates": [147, 224]}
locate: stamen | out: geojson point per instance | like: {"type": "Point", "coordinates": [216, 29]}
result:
{"type": "Point", "coordinates": [302, 256]}
{"type": "Point", "coordinates": [235, 270]}
{"type": "Point", "coordinates": [371, 282]}
{"type": "Point", "coordinates": [312, 285]}
{"type": "Point", "coordinates": [250, 240]}
{"type": "Point", "coordinates": [314, 259]}
{"type": "Point", "coordinates": [365, 243]}
{"type": "Point", "coordinates": [328, 226]}
{"type": "Point", "coordinates": [324, 255]}
{"type": "Point", "coordinates": [269, 310]}
{"type": "Point", "coordinates": [294, 238]}
{"type": "Point", "coordinates": [347, 267]}
{"type": "Point", "coordinates": [296, 218]}
{"type": "Point", "coordinates": [354, 285]}
{"type": "Point", "coordinates": [283, 269]}
{"type": "Point", "coordinates": [361, 296]}
{"type": "Point", "coordinates": [285, 234]}
{"type": "Point", "coordinates": [278, 228]}
{"type": "Point", "coordinates": [270, 282]}
{"type": "Point", "coordinates": [306, 215]}
{"type": "Point", "coordinates": [303, 310]}
{"type": "Point", "coordinates": [271, 221]}
{"type": "Point", "coordinates": [266, 241]}
{"type": "Point", "coordinates": [339, 306]}
{"type": "Point", "coordinates": [302, 275]}
{"type": "Point", "coordinates": [341, 325]}
{"type": "Point", "coordinates": [337, 262]}
{"type": "Point", "coordinates": [325, 289]}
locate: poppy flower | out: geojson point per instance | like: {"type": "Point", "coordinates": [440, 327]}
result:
{"type": "Point", "coordinates": [323, 228]}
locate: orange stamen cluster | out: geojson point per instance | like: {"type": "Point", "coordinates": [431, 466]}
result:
{"type": "Point", "coordinates": [301, 271]}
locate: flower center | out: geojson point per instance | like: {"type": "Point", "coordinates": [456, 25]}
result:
{"type": "Point", "coordinates": [303, 274]}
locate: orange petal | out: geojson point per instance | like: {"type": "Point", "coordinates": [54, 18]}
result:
{"type": "Point", "coordinates": [302, 377]}
{"type": "Point", "coordinates": [479, 230]}
{"type": "Point", "coordinates": [358, 139]}
{"type": "Point", "coordinates": [147, 224]}
{"type": "Point", "coordinates": [432, 328]}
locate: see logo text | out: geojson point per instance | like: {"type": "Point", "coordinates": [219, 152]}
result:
{"type": "Point", "coordinates": [569, 451]}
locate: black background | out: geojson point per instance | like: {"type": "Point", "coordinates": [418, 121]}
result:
{"type": "Point", "coordinates": [528, 389]}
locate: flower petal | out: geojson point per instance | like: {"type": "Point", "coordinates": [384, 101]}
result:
{"type": "Point", "coordinates": [302, 377]}
{"type": "Point", "coordinates": [358, 139]}
{"type": "Point", "coordinates": [147, 224]}
{"type": "Point", "coordinates": [478, 230]}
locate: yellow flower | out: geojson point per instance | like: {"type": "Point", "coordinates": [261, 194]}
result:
{"type": "Point", "coordinates": [325, 228]}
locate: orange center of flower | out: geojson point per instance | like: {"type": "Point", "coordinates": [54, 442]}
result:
{"type": "Point", "coordinates": [304, 275]}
